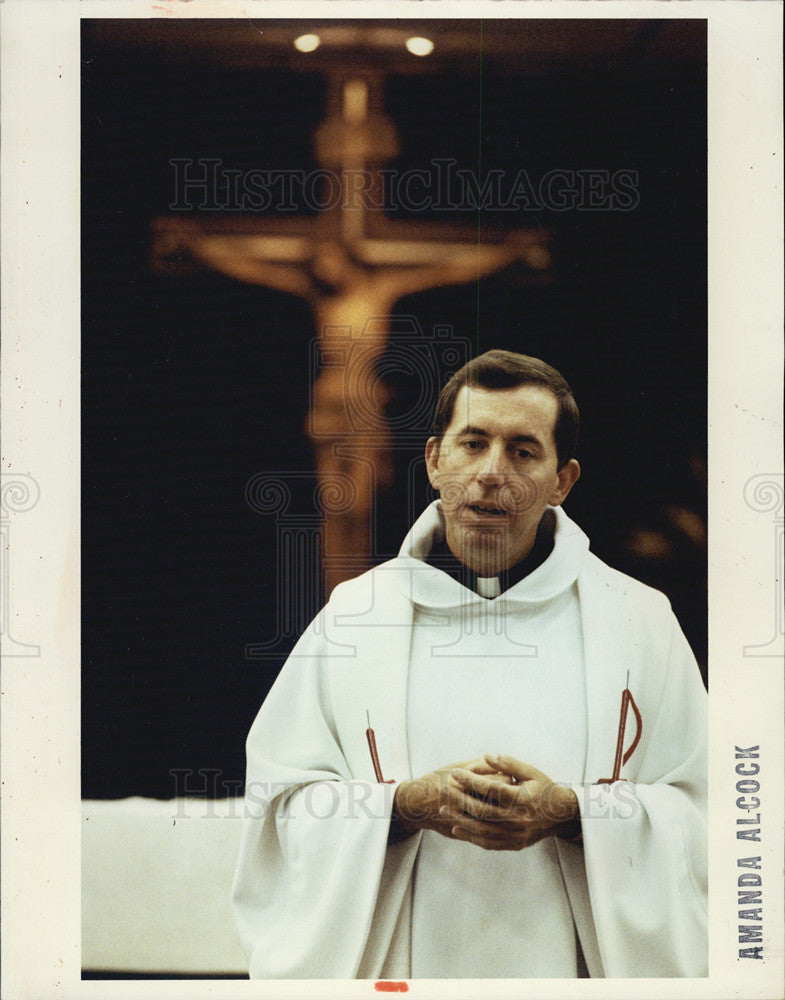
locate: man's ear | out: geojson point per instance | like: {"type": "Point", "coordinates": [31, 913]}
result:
{"type": "Point", "coordinates": [432, 460]}
{"type": "Point", "coordinates": [568, 476]}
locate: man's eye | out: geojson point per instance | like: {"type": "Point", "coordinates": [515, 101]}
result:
{"type": "Point", "coordinates": [472, 444]}
{"type": "Point", "coordinates": [523, 453]}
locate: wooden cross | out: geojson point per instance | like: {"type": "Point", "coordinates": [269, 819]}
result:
{"type": "Point", "coordinates": [351, 264]}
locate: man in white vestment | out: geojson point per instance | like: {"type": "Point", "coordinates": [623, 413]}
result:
{"type": "Point", "coordinates": [487, 756]}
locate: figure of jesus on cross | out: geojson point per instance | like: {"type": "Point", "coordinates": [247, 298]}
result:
{"type": "Point", "coordinates": [352, 281]}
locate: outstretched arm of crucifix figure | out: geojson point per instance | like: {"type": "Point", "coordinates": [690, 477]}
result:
{"type": "Point", "coordinates": [221, 254]}
{"type": "Point", "coordinates": [227, 255]}
{"type": "Point", "coordinates": [466, 264]}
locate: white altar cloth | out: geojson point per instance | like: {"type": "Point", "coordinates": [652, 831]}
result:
{"type": "Point", "coordinates": [156, 883]}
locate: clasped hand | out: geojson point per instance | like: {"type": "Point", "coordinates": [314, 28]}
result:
{"type": "Point", "coordinates": [496, 802]}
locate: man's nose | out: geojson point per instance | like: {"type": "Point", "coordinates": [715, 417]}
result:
{"type": "Point", "coordinates": [493, 468]}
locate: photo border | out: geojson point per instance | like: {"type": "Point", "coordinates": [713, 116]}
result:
{"type": "Point", "coordinates": [41, 426]}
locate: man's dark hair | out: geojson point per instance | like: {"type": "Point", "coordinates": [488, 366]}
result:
{"type": "Point", "coordinates": [507, 370]}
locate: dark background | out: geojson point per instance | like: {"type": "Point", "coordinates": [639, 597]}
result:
{"type": "Point", "coordinates": [194, 385]}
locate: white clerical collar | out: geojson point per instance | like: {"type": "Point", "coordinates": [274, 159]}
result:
{"type": "Point", "coordinates": [428, 586]}
{"type": "Point", "coordinates": [488, 586]}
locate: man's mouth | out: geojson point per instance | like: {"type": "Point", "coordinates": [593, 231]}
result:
{"type": "Point", "coordinates": [486, 510]}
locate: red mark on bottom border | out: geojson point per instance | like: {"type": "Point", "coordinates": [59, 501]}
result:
{"type": "Point", "coordinates": [388, 986]}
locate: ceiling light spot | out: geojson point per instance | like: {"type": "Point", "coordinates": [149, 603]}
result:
{"type": "Point", "coordinates": [307, 43]}
{"type": "Point", "coordinates": [419, 46]}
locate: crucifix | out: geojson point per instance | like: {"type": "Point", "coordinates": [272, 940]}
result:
{"type": "Point", "coordinates": [351, 264]}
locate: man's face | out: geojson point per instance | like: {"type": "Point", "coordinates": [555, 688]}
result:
{"type": "Point", "coordinates": [496, 469]}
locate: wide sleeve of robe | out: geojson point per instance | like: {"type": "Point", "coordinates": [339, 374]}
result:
{"type": "Point", "coordinates": [317, 891]}
{"type": "Point", "coordinates": [645, 839]}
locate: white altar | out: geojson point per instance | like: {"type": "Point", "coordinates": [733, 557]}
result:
{"type": "Point", "coordinates": [156, 882]}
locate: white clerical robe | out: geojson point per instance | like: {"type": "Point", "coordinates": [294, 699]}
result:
{"type": "Point", "coordinates": [486, 674]}
{"type": "Point", "coordinates": [319, 893]}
